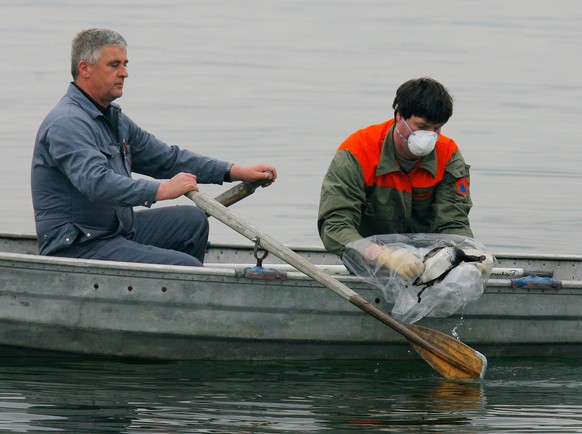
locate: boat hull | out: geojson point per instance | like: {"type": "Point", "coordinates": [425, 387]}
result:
{"type": "Point", "coordinates": [116, 309]}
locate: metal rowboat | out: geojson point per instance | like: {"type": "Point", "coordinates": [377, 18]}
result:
{"type": "Point", "coordinates": [231, 309]}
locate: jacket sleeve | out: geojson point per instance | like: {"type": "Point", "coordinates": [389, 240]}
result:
{"type": "Point", "coordinates": [341, 202]}
{"type": "Point", "coordinates": [453, 199]}
{"type": "Point", "coordinates": [153, 157]}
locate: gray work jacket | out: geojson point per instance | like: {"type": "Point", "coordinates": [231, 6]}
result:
{"type": "Point", "coordinates": [81, 172]}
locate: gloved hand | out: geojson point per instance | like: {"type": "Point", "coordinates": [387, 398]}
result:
{"type": "Point", "coordinates": [486, 265]}
{"type": "Point", "coordinates": [402, 262]}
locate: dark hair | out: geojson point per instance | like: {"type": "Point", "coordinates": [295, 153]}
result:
{"type": "Point", "coordinates": [424, 97]}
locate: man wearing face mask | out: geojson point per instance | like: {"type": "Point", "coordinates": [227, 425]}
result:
{"type": "Point", "coordinates": [400, 176]}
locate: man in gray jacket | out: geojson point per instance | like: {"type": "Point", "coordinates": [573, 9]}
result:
{"type": "Point", "coordinates": [85, 151]}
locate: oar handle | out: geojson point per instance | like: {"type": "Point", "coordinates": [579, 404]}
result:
{"type": "Point", "coordinates": [240, 191]}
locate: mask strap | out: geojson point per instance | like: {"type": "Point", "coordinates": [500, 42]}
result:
{"type": "Point", "coordinates": [400, 134]}
{"type": "Point", "coordinates": [407, 126]}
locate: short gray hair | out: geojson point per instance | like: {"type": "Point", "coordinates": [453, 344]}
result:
{"type": "Point", "coordinates": [88, 44]}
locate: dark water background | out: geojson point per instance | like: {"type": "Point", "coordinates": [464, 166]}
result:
{"type": "Point", "coordinates": [285, 82]}
{"type": "Point", "coordinates": [82, 396]}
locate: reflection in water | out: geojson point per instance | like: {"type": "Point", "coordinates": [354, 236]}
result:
{"type": "Point", "coordinates": [458, 396]}
{"type": "Point", "coordinates": [76, 395]}
{"type": "Point", "coordinates": [17, 415]}
{"type": "Point", "coordinates": [440, 403]}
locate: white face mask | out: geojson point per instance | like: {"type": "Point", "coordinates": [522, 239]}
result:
{"type": "Point", "coordinates": [420, 142]}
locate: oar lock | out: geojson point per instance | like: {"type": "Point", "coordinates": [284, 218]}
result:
{"type": "Point", "coordinates": [257, 241]}
{"type": "Point", "coordinates": [258, 271]}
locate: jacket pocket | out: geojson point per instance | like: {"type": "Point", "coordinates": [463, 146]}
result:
{"type": "Point", "coordinates": [59, 238]}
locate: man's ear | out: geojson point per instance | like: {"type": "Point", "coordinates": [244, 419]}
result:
{"type": "Point", "coordinates": [84, 69]}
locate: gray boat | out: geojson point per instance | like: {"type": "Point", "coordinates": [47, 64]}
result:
{"type": "Point", "coordinates": [231, 309]}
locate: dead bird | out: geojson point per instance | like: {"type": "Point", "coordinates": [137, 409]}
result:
{"type": "Point", "coordinates": [439, 261]}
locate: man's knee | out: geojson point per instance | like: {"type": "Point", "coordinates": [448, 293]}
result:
{"type": "Point", "coordinates": [184, 228]}
{"type": "Point", "coordinates": [193, 221]}
{"type": "Point", "coordinates": [198, 215]}
{"type": "Point", "coordinates": [193, 231]}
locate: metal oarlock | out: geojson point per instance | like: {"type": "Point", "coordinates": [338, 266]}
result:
{"type": "Point", "coordinates": [259, 259]}
{"type": "Point", "coordinates": [258, 271]}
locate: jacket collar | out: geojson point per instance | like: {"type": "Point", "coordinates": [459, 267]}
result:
{"type": "Point", "coordinates": [87, 103]}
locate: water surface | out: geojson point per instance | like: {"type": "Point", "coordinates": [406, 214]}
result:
{"type": "Point", "coordinates": [76, 395]}
{"type": "Point", "coordinates": [285, 82]}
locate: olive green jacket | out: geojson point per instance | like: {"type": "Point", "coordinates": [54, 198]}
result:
{"type": "Point", "coordinates": [366, 193]}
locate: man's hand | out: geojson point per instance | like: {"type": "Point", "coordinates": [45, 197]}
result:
{"type": "Point", "coordinates": [402, 262]}
{"type": "Point", "coordinates": [177, 186]}
{"type": "Point", "coordinates": [253, 173]}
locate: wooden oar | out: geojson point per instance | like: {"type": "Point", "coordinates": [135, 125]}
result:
{"type": "Point", "coordinates": [448, 356]}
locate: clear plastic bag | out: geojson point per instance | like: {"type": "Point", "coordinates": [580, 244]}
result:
{"type": "Point", "coordinates": [439, 298]}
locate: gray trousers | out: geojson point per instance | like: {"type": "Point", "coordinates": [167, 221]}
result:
{"type": "Point", "coordinates": [174, 235]}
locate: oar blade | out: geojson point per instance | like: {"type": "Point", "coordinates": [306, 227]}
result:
{"type": "Point", "coordinates": [472, 363]}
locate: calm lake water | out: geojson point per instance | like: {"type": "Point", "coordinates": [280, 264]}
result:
{"type": "Point", "coordinates": [285, 82]}
{"type": "Point", "coordinates": [99, 396]}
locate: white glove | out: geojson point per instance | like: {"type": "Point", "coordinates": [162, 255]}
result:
{"type": "Point", "coordinates": [486, 266]}
{"type": "Point", "coordinates": [402, 262]}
